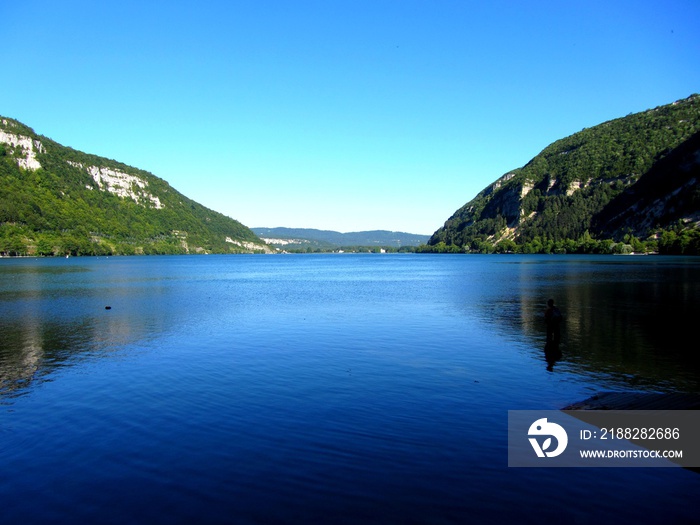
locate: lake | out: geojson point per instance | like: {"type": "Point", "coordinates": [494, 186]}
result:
{"type": "Point", "coordinates": [339, 389]}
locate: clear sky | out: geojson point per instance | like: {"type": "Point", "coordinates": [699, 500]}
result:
{"type": "Point", "coordinates": [333, 114]}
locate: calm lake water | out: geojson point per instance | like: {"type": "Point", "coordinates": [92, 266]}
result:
{"type": "Point", "coordinates": [327, 388]}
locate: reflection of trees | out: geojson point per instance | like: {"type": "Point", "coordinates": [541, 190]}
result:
{"type": "Point", "coordinates": [53, 316]}
{"type": "Point", "coordinates": [630, 321]}
{"type": "Point", "coordinates": [32, 348]}
{"type": "Point", "coordinates": [640, 328]}
{"type": "Point", "coordinates": [20, 359]}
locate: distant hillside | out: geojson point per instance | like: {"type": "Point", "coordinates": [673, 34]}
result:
{"type": "Point", "coordinates": [55, 200]}
{"type": "Point", "coordinates": [627, 184]}
{"type": "Point", "coordinates": [300, 238]}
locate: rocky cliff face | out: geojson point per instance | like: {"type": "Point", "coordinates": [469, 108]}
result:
{"type": "Point", "coordinates": [25, 147]}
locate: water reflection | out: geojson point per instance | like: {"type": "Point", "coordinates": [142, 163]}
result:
{"type": "Point", "coordinates": [552, 354]}
{"type": "Point", "coordinates": [33, 348]}
{"type": "Point", "coordinates": [52, 314]}
{"type": "Point", "coordinates": [630, 320]}
{"type": "Point", "coordinates": [624, 319]}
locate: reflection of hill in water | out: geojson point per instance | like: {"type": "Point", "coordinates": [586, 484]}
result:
{"type": "Point", "coordinates": [32, 349]}
{"type": "Point", "coordinates": [634, 323]}
{"type": "Point", "coordinates": [53, 316]}
{"type": "Point", "coordinates": [625, 321]}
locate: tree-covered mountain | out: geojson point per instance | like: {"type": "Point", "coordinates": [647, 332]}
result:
{"type": "Point", "coordinates": [627, 184]}
{"type": "Point", "coordinates": [324, 240]}
{"type": "Point", "coordinates": [55, 200]}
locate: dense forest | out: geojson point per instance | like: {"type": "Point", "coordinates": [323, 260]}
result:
{"type": "Point", "coordinates": [55, 200]}
{"type": "Point", "coordinates": [627, 185]}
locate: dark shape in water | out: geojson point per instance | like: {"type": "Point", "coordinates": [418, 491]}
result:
{"type": "Point", "coordinates": [553, 318]}
{"type": "Point", "coordinates": [552, 353]}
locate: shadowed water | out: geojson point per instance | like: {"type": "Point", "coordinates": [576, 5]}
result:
{"type": "Point", "coordinates": [326, 389]}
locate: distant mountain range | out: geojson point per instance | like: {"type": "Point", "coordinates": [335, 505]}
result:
{"type": "Point", "coordinates": [55, 200]}
{"type": "Point", "coordinates": [630, 184]}
{"type": "Point", "coordinates": [311, 239]}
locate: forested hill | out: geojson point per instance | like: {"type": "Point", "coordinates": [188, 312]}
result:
{"type": "Point", "coordinates": [630, 184]}
{"type": "Point", "coordinates": [310, 239]}
{"type": "Point", "coordinates": [55, 200]}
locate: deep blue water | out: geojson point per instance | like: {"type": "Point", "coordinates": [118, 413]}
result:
{"type": "Point", "coordinates": [327, 388]}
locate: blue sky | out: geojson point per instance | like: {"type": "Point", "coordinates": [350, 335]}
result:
{"type": "Point", "coordinates": [342, 115]}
